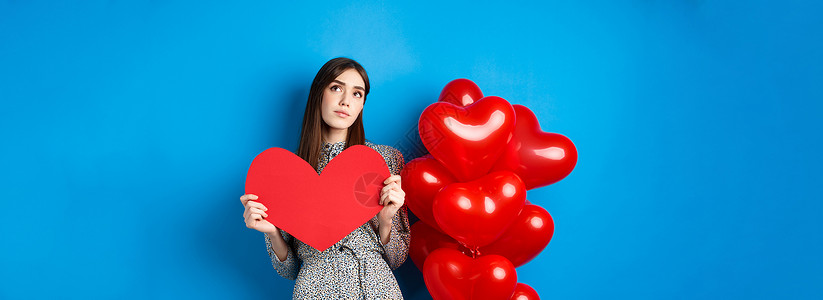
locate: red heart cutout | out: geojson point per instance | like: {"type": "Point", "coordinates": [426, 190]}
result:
{"type": "Point", "coordinates": [460, 92]}
{"type": "Point", "coordinates": [422, 178]}
{"type": "Point", "coordinates": [476, 213]}
{"type": "Point", "coordinates": [525, 238]}
{"type": "Point", "coordinates": [539, 158]}
{"type": "Point", "coordinates": [467, 140]}
{"type": "Point", "coordinates": [451, 275]}
{"type": "Point", "coordinates": [524, 292]}
{"type": "Point", "coordinates": [425, 239]}
{"type": "Point", "coordinates": [319, 210]}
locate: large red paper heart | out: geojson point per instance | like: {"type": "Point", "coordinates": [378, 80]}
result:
{"type": "Point", "coordinates": [460, 92]}
{"type": "Point", "coordinates": [451, 275]}
{"type": "Point", "coordinates": [525, 238]}
{"type": "Point", "coordinates": [422, 178]}
{"type": "Point", "coordinates": [476, 213]}
{"type": "Point", "coordinates": [425, 239]}
{"type": "Point", "coordinates": [467, 140]}
{"type": "Point", "coordinates": [539, 158]}
{"type": "Point", "coordinates": [319, 210]}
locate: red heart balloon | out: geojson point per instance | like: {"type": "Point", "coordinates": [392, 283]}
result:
{"type": "Point", "coordinates": [451, 275]}
{"type": "Point", "coordinates": [425, 239]}
{"type": "Point", "coordinates": [524, 292]}
{"type": "Point", "coordinates": [539, 158]}
{"type": "Point", "coordinates": [525, 238]}
{"type": "Point", "coordinates": [477, 212]}
{"type": "Point", "coordinates": [460, 92]}
{"type": "Point", "coordinates": [319, 210]}
{"type": "Point", "coordinates": [467, 140]}
{"type": "Point", "coordinates": [422, 178]}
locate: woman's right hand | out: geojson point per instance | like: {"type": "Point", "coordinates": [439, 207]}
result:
{"type": "Point", "coordinates": [254, 214]}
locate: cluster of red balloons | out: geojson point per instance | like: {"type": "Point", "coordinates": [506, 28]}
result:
{"type": "Point", "coordinates": [470, 193]}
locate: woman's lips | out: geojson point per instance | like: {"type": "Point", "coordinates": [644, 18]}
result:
{"type": "Point", "coordinates": [341, 113]}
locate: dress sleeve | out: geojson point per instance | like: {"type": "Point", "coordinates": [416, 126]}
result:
{"type": "Point", "coordinates": [288, 268]}
{"type": "Point", "coordinates": [395, 161]}
{"type": "Point", "coordinates": [397, 249]}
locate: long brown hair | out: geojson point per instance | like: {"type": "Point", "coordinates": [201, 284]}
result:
{"type": "Point", "coordinates": [311, 138]}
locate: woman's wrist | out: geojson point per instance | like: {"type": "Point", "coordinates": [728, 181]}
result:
{"type": "Point", "coordinates": [384, 221]}
{"type": "Point", "coordinates": [275, 233]}
{"type": "Point", "coordinates": [384, 231]}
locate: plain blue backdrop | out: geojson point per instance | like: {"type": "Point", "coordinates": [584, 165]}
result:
{"type": "Point", "coordinates": [128, 128]}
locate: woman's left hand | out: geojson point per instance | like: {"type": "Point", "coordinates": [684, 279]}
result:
{"type": "Point", "coordinates": [392, 197]}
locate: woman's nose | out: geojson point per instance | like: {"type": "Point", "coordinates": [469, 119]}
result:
{"type": "Point", "coordinates": [345, 100]}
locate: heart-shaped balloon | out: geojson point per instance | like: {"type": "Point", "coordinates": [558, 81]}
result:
{"type": "Point", "coordinates": [422, 178]}
{"type": "Point", "coordinates": [524, 292]}
{"type": "Point", "coordinates": [319, 210]}
{"type": "Point", "coordinates": [539, 158]}
{"type": "Point", "coordinates": [451, 275]}
{"type": "Point", "coordinates": [525, 238]}
{"type": "Point", "coordinates": [476, 213]}
{"type": "Point", "coordinates": [467, 140]}
{"type": "Point", "coordinates": [425, 239]}
{"type": "Point", "coordinates": [460, 92]}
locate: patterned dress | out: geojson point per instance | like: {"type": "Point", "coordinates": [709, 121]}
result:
{"type": "Point", "coordinates": [358, 266]}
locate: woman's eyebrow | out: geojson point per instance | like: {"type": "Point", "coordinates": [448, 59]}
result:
{"type": "Point", "coordinates": [343, 83]}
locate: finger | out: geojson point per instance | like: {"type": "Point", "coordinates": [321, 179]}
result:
{"type": "Point", "coordinates": [397, 198]}
{"type": "Point", "coordinates": [391, 179]}
{"type": "Point", "coordinates": [393, 198]}
{"type": "Point", "coordinates": [252, 223]}
{"type": "Point", "coordinates": [386, 188]}
{"type": "Point", "coordinates": [395, 186]}
{"type": "Point", "coordinates": [258, 224]}
{"type": "Point", "coordinates": [388, 201]}
{"type": "Point", "coordinates": [257, 205]}
{"type": "Point", "coordinates": [383, 198]}
{"type": "Point", "coordinates": [255, 216]}
{"type": "Point", "coordinates": [251, 211]}
{"type": "Point", "coordinates": [245, 198]}
{"type": "Point", "coordinates": [258, 211]}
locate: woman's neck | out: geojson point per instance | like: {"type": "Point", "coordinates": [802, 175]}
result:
{"type": "Point", "coordinates": [333, 135]}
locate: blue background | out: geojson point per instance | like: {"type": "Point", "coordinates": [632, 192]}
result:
{"type": "Point", "coordinates": [127, 129]}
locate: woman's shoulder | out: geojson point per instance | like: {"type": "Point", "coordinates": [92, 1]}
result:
{"type": "Point", "coordinates": [389, 153]}
{"type": "Point", "coordinates": [383, 149]}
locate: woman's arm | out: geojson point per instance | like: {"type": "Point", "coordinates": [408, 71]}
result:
{"type": "Point", "coordinates": [393, 220]}
{"type": "Point", "coordinates": [278, 245]}
{"type": "Point", "coordinates": [287, 266]}
{"type": "Point", "coordinates": [254, 214]}
{"type": "Point", "coordinates": [396, 242]}
{"type": "Point", "coordinates": [277, 241]}
{"type": "Point", "coordinates": [392, 198]}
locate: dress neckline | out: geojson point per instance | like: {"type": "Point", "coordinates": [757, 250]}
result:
{"type": "Point", "coordinates": [333, 146]}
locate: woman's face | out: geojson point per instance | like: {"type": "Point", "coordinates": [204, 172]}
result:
{"type": "Point", "coordinates": [343, 100]}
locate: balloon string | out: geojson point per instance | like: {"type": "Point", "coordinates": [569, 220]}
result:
{"type": "Point", "coordinates": [475, 251]}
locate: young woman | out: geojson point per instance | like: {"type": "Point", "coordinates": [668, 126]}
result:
{"type": "Point", "coordinates": [358, 266]}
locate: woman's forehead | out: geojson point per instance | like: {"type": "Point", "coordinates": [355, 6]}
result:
{"type": "Point", "coordinates": [350, 77]}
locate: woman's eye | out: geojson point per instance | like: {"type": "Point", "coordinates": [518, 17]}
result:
{"type": "Point", "coordinates": [358, 94]}
{"type": "Point", "coordinates": [336, 88]}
